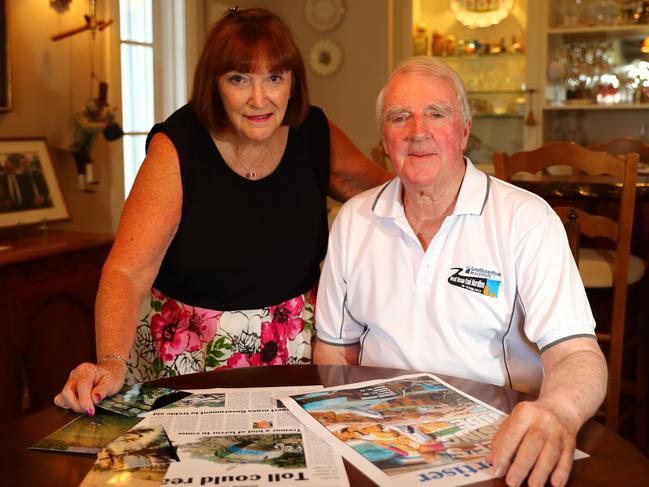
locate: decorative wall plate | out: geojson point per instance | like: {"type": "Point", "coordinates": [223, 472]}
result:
{"type": "Point", "coordinates": [324, 15]}
{"type": "Point", "coordinates": [325, 57]}
{"type": "Point", "coordinates": [480, 13]}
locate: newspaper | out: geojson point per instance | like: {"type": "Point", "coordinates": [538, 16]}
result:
{"type": "Point", "coordinates": [244, 437]}
{"type": "Point", "coordinates": [408, 430]}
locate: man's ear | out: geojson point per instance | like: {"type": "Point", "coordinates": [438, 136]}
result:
{"type": "Point", "coordinates": [466, 132]}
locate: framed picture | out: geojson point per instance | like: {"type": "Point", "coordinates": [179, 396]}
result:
{"type": "Point", "coordinates": [5, 61]}
{"type": "Point", "coordinates": [29, 190]}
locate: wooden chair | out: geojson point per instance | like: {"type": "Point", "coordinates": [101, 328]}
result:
{"type": "Point", "coordinates": [624, 169]}
{"type": "Point", "coordinates": [380, 157]}
{"type": "Point", "coordinates": [624, 145]}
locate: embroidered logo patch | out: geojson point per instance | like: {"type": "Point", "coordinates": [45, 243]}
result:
{"type": "Point", "coordinates": [477, 280]}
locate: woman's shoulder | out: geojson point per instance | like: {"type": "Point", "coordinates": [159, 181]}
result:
{"type": "Point", "coordinates": [315, 119]}
{"type": "Point", "coordinates": [180, 126]}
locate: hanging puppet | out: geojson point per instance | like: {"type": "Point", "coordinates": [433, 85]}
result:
{"type": "Point", "coordinates": [96, 117]}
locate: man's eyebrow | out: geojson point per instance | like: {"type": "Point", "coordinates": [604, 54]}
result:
{"type": "Point", "coordinates": [440, 107]}
{"type": "Point", "coordinates": [391, 111]}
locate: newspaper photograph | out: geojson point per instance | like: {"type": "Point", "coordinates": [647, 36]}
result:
{"type": "Point", "coordinates": [408, 430]}
{"type": "Point", "coordinates": [244, 437]}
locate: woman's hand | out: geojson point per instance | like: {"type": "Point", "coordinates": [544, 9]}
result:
{"type": "Point", "coordinates": [88, 384]}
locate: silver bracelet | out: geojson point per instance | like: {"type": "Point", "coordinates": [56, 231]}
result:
{"type": "Point", "coordinates": [113, 356]}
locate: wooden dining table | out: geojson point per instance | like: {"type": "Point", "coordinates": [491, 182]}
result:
{"type": "Point", "coordinates": [612, 461]}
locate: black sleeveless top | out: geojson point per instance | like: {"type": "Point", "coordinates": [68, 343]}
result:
{"type": "Point", "coordinates": [245, 244]}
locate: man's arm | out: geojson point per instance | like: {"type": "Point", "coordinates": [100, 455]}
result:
{"type": "Point", "coordinates": [351, 171]}
{"type": "Point", "coordinates": [539, 437]}
{"type": "Point", "coordinates": [327, 354]}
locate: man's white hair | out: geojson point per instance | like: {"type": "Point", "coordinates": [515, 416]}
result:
{"type": "Point", "coordinates": [431, 68]}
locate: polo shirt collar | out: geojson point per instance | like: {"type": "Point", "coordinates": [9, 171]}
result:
{"type": "Point", "coordinates": [471, 199]}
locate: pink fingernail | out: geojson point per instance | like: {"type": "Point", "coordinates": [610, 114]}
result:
{"type": "Point", "coordinates": [90, 412]}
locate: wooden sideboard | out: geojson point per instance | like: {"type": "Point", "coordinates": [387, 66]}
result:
{"type": "Point", "coordinates": [47, 294]}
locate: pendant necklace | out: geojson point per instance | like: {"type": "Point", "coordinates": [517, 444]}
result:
{"type": "Point", "coordinates": [250, 173]}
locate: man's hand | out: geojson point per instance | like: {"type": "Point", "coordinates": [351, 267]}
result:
{"type": "Point", "coordinates": [539, 437]}
{"type": "Point", "coordinates": [533, 441]}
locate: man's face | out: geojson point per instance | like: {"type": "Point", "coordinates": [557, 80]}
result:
{"type": "Point", "coordinates": [423, 132]}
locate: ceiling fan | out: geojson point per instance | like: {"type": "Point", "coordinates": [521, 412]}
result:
{"type": "Point", "coordinates": [93, 24]}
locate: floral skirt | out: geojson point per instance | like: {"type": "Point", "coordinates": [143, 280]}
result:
{"type": "Point", "coordinates": [173, 338]}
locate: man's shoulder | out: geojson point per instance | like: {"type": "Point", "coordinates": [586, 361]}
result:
{"type": "Point", "coordinates": [509, 196]}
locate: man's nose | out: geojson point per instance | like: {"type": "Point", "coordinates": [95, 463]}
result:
{"type": "Point", "coordinates": [417, 128]}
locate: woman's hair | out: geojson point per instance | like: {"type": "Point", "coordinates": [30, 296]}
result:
{"type": "Point", "coordinates": [241, 41]}
{"type": "Point", "coordinates": [433, 69]}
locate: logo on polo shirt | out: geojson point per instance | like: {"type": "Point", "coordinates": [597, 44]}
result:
{"type": "Point", "coordinates": [477, 280]}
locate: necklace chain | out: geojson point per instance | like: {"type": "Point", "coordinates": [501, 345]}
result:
{"type": "Point", "coordinates": [251, 172]}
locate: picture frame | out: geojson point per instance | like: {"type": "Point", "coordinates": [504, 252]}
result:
{"type": "Point", "coordinates": [5, 58]}
{"type": "Point", "coordinates": [29, 189]}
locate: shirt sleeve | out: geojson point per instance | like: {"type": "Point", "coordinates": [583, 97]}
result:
{"type": "Point", "coordinates": [549, 285]}
{"type": "Point", "coordinates": [334, 323]}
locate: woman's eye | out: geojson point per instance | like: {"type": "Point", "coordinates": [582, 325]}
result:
{"type": "Point", "coordinates": [237, 79]}
{"type": "Point", "coordinates": [275, 77]}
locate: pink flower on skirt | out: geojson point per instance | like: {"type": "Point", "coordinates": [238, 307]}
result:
{"type": "Point", "coordinates": [169, 330]}
{"type": "Point", "coordinates": [286, 317]}
{"type": "Point", "coordinates": [239, 359]}
{"type": "Point", "coordinates": [201, 327]}
{"type": "Point", "coordinates": [273, 344]}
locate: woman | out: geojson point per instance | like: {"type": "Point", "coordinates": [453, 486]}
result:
{"type": "Point", "coordinates": [222, 234]}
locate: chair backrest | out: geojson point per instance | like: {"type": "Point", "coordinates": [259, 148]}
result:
{"type": "Point", "coordinates": [624, 145]}
{"type": "Point", "coordinates": [379, 156]}
{"type": "Point", "coordinates": [592, 163]}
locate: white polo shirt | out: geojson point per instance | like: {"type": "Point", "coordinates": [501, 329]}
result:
{"type": "Point", "coordinates": [496, 285]}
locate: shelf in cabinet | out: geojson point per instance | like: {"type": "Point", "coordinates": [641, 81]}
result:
{"type": "Point", "coordinates": [505, 55]}
{"type": "Point", "coordinates": [495, 92]}
{"type": "Point", "coordinates": [595, 106]}
{"type": "Point", "coordinates": [498, 115]}
{"type": "Point", "coordinates": [608, 30]}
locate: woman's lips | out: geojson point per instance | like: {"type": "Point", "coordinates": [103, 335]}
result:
{"type": "Point", "coordinates": [259, 118]}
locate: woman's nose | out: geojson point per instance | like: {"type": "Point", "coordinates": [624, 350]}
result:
{"type": "Point", "coordinates": [257, 95]}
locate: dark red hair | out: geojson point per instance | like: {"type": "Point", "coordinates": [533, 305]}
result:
{"type": "Point", "coordinates": [241, 41]}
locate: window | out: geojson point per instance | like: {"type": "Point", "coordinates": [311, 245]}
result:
{"type": "Point", "coordinates": [152, 46]}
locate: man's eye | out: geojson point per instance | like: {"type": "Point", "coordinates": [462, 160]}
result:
{"type": "Point", "coordinates": [398, 118]}
{"type": "Point", "coordinates": [435, 115]}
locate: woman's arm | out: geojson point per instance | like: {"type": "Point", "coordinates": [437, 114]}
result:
{"type": "Point", "coordinates": [351, 171]}
{"type": "Point", "coordinates": [147, 226]}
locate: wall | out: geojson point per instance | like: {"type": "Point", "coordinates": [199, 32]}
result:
{"type": "Point", "coordinates": [51, 81]}
{"type": "Point", "coordinates": [348, 97]}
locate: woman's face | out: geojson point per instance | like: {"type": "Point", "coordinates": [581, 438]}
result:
{"type": "Point", "coordinates": [255, 102]}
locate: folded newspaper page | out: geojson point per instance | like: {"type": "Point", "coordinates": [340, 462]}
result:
{"type": "Point", "coordinates": [408, 430]}
{"type": "Point", "coordinates": [245, 437]}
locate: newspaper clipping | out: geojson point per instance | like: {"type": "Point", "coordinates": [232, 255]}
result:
{"type": "Point", "coordinates": [409, 430]}
{"type": "Point", "coordinates": [237, 437]}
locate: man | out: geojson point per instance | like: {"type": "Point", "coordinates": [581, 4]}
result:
{"type": "Point", "coordinates": [12, 184]}
{"type": "Point", "coordinates": [448, 270]}
{"type": "Point", "coordinates": [34, 186]}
